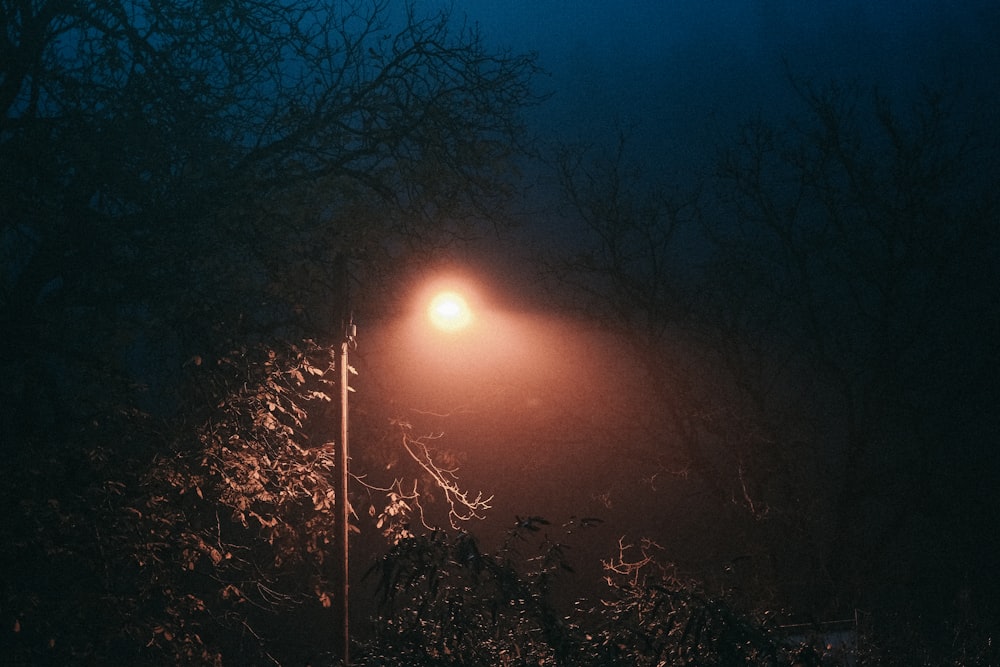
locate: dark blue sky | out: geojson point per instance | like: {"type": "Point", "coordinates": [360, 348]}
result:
{"type": "Point", "coordinates": [685, 70]}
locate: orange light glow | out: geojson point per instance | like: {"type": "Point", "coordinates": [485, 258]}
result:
{"type": "Point", "coordinates": [449, 311]}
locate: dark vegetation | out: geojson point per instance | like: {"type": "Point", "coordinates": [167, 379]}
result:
{"type": "Point", "coordinates": [813, 329]}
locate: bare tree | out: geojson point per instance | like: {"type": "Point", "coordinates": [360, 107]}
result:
{"type": "Point", "coordinates": [224, 153]}
{"type": "Point", "coordinates": [813, 356]}
{"type": "Point", "coordinates": [861, 238]}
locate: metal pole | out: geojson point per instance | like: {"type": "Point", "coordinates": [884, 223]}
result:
{"type": "Point", "coordinates": [341, 462]}
{"type": "Point", "coordinates": [343, 506]}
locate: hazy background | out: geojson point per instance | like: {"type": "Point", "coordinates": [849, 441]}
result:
{"type": "Point", "coordinates": [684, 72]}
{"type": "Point", "coordinates": [543, 428]}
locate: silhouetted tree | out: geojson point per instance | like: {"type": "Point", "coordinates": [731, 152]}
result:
{"type": "Point", "coordinates": [178, 179]}
{"type": "Point", "coordinates": [818, 344]}
{"type": "Point", "coordinates": [193, 170]}
{"type": "Point", "coordinates": [863, 241]}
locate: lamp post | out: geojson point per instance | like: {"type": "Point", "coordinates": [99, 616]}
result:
{"type": "Point", "coordinates": [449, 312]}
{"type": "Point", "coordinates": [343, 506]}
{"type": "Point", "coordinates": [341, 527]}
{"type": "Point", "coordinates": [341, 458]}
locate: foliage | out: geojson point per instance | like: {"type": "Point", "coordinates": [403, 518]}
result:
{"type": "Point", "coordinates": [69, 577]}
{"type": "Point", "coordinates": [656, 617]}
{"type": "Point", "coordinates": [239, 524]}
{"type": "Point", "coordinates": [447, 603]}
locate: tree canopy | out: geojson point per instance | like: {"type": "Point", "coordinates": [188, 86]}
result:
{"type": "Point", "coordinates": [193, 166]}
{"type": "Point", "coordinates": [181, 183]}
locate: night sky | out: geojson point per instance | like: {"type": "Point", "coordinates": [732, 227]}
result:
{"type": "Point", "coordinates": [684, 72]}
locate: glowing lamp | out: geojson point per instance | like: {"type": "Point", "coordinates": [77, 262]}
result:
{"type": "Point", "coordinates": [449, 311]}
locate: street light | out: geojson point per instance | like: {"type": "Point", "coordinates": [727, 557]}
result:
{"type": "Point", "coordinates": [449, 311]}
